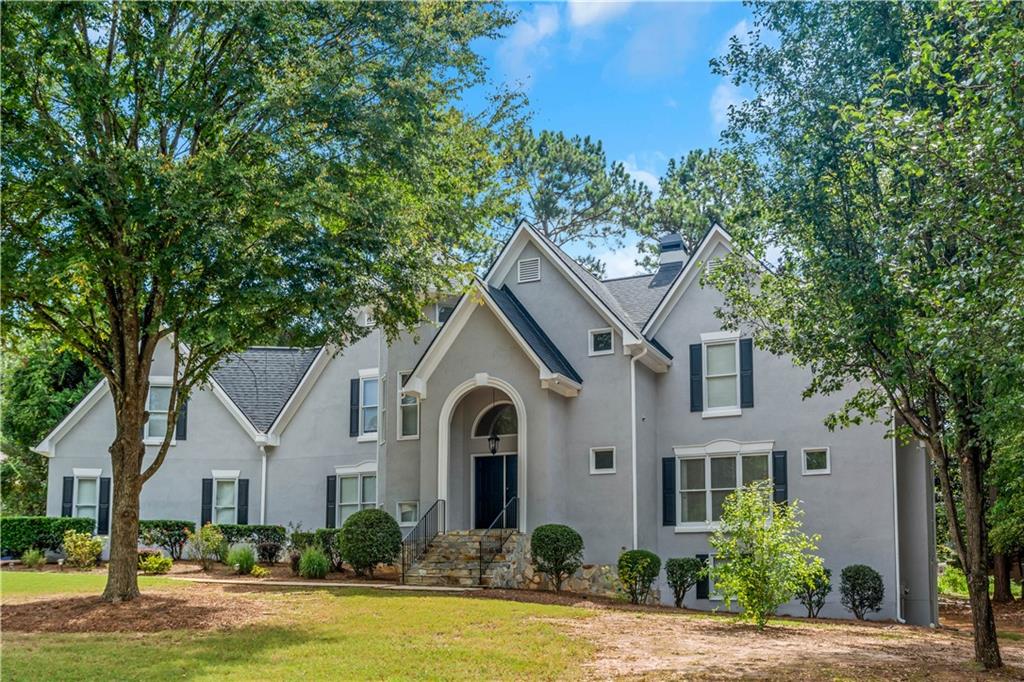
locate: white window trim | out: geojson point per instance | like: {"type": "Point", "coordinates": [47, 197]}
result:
{"type": "Point", "coordinates": [816, 472]}
{"type": "Point", "coordinates": [401, 412]}
{"type": "Point", "coordinates": [706, 453]}
{"type": "Point", "coordinates": [519, 270]}
{"type": "Point", "coordinates": [159, 381]}
{"type": "Point", "coordinates": [716, 339]}
{"type": "Point", "coordinates": [597, 472]}
{"type": "Point", "coordinates": [86, 475]}
{"type": "Point", "coordinates": [590, 342]}
{"type": "Point", "coordinates": [368, 374]}
{"type": "Point", "coordinates": [485, 410]}
{"type": "Point", "coordinates": [358, 472]}
{"type": "Point", "coordinates": [398, 513]}
{"type": "Point", "coordinates": [224, 476]}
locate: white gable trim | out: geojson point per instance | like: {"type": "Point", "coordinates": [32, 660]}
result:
{"type": "Point", "coordinates": [309, 379]}
{"type": "Point", "coordinates": [416, 384]}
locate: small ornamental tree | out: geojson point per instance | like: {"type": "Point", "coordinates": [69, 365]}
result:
{"type": "Point", "coordinates": [682, 574]}
{"type": "Point", "coordinates": [862, 589]}
{"type": "Point", "coordinates": [762, 558]}
{"type": "Point", "coordinates": [557, 552]}
{"type": "Point", "coordinates": [638, 569]}
{"type": "Point", "coordinates": [812, 594]}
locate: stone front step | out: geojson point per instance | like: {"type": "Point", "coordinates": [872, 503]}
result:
{"type": "Point", "coordinates": [453, 559]}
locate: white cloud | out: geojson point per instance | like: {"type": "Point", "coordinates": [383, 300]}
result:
{"type": "Point", "coordinates": [644, 175]}
{"type": "Point", "coordinates": [658, 41]}
{"type": "Point", "coordinates": [740, 31]}
{"type": "Point", "coordinates": [724, 96]}
{"type": "Point", "coordinates": [591, 13]}
{"type": "Point", "coordinates": [524, 47]}
{"type": "Point", "coordinates": [619, 262]}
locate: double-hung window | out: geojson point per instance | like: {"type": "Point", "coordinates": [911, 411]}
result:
{"type": "Point", "coordinates": [87, 495]}
{"type": "Point", "coordinates": [355, 492]}
{"type": "Point", "coordinates": [159, 402]}
{"type": "Point", "coordinates": [721, 374]}
{"type": "Point", "coordinates": [706, 480]}
{"type": "Point", "coordinates": [225, 500]}
{"type": "Point", "coordinates": [369, 401]}
{"type": "Point", "coordinates": [408, 412]}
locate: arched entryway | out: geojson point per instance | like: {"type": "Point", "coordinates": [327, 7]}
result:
{"type": "Point", "coordinates": [482, 455]}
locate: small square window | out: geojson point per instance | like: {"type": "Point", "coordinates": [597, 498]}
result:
{"type": "Point", "coordinates": [816, 461]}
{"type": "Point", "coordinates": [408, 513]}
{"type": "Point", "coordinates": [602, 460]}
{"type": "Point", "coordinates": [601, 342]}
{"type": "Point", "coordinates": [444, 311]}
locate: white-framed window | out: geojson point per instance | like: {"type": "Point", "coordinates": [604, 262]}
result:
{"type": "Point", "coordinates": [706, 480]}
{"type": "Point", "coordinates": [443, 310]}
{"type": "Point", "coordinates": [600, 342]}
{"type": "Point", "coordinates": [408, 411]}
{"type": "Point", "coordinates": [816, 461]}
{"type": "Point", "coordinates": [528, 270]}
{"type": "Point", "coordinates": [407, 513]}
{"type": "Point", "coordinates": [498, 419]}
{"type": "Point", "coordinates": [369, 403]}
{"type": "Point", "coordinates": [721, 374]}
{"type": "Point", "coordinates": [356, 491]}
{"type": "Point", "coordinates": [157, 405]}
{"type": "Point", "coordinates": [225, 500]}
{"type": "Point", "coordinates": [87, 496]}
{"type": "Point", "coordinates": [602, 460]}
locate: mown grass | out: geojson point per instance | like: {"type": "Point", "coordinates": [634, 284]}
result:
{"type": "Point", "coordinates": [29, 584]}
{"type": "Point", "coordinates": [316, 634]}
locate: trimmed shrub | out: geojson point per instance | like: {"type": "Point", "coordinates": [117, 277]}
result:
{"type": "Point", "coordinates": [242, 558]}
{"type": "Point", "coordinates": [252, 534]}
{"type": "Point", "coordinates": [682, 574]}
{"type": "Point", "coordinates": [813, 593]}
{"type": "Point", "coordinates": [638, 569]}
{"type": "Point", "coordinates": [81, 549]}
{"type": "Point", "coordinates": [267, 552]}
{"type": "Point", "coordinates": [153, 565]}
{"type": "Point", "coordinates": [168, 535]}
{"type": "Point", "coordinates": [19, 533]}
{"type": "Point", "coordinates": [300, 540]}
{"type": "Point", "coordinates": [330, 541]}
{"type": "Point", "coordinates": [146, 553]}
{"type": "Point", "coordinates": [861, 589]}
{"type": "Point", "coordinates": [313, 563]}
{"type": "Point", "coordinates": [370, 537]}
{"type": "Point", "coordinates": [557, 552]}
{"type": "Point", "coordinates": [204, 546]}
{"type": "Point", "coordinates": [259, 572]}
{"type": "Point", "coordinates": [33, 558]}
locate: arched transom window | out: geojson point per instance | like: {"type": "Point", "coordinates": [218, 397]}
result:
{"type": "Point", "coordinates": [497, 420]}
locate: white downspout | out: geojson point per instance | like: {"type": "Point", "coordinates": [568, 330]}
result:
{"type": "Point", "coordinates": [632, 422]}
{"type": "Point", "coordinates": [896, 530]}
{"type": "Point", "coordinates": [263, 486]}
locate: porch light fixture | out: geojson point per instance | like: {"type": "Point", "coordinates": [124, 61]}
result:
{"type": "Point", "coordinates": [492, 442]}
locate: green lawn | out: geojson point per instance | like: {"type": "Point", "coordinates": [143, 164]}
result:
{"type": "Point", "coordinates": [26, 584]}
{"type": "Point", "coordinates": [314, 634]}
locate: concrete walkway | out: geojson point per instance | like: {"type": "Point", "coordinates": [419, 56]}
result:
{"type": "Point", "coordinates": [327, 583]}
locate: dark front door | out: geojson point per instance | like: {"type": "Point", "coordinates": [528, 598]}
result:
{"type": "Point", "coordinates": [494, 484]}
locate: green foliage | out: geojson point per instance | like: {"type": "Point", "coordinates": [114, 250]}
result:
{"type": "Point", "coordinates": [557, 551]}
{"type": "Point", "coordinates": [19, 533]}
{"type": "Point", "coordinates": [813, 593]}
{"type": "Point", "coordinates": [331, 541]}
{"type": "Point", "coordinates": [952, 581]}
{"type": "Point", "coordinates": [1006, 517]}
{"type": "Point", "coordinates": [153, 565]}
{"type": "Point", "coordinates": [267, 552]}
{"type": "Point", "coordinates": [205, 545]}
{"type": "Point", "coordinates": [762, 558]}
{"type": "Point", "coordinates": [259, 572]}
{"type": "Point", "coordinates": [169, 535]}
{"type": "Point", "coordinates": [242, 558]}
{"type": "Point", "coordinates": [300, 540]}
{"type": "Point", "coordinates": [638, 569]}
{"type": "Point", "coordinates": [42, 382]}
{"type": "Point", "coordinates": [313, 563]}
{"type": "Point", "coordinates": [570, 192]}
{"type": "Point", "coordinates": [861, 589]}
{"type": "Point", "coordinates": [33, 558]}
{"type": "Point", "coordinates": [252, 534]}
{"type": "Point", "coordinates": [682, 574]}
{"type": "Point", "coordinates": [81, 550]}
{"type": "Point", "coordinates": [370, 537]}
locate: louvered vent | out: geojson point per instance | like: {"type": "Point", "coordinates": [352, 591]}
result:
{"type": "Point", "coordinates": [529, 270]}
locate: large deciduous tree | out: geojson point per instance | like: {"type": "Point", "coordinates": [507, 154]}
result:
{"type": "Point", "coordinates": [893, 146]}
{"type": "Point", "coordinates": [205, 174]}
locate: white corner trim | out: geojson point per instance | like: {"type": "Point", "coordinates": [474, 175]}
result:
{"type": "Point", "coordinates": [226, 473]}
{"type": "Point", "coordinates": [725, 335]}
{"type": "Point", "coordinates": [615, 463]}
{"type": "Point", "coordinates": [590, 341]}
{"type": "Point", "coordinates": [366, 467]}
{"type": "Point", "coordinates": [816, 472]}
{"type": "Point", "coordinates": [725, 446]}
{"type": "Point", "coordinates": [87, 473]}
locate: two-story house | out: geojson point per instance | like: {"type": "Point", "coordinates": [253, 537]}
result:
{"type": "Point", "coordinates": [618, 407]}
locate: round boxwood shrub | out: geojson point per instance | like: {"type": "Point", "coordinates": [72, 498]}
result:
{"type": "Point", "coordinates": [370, 537]}
{"type": "Point", "coordinates": [242, 558]}
{"type": "Point", "coordinates": [638, 569]}
{"type": "Point", "coordinates": [313, 563]}
{"type": "Point", "coordinates": [861, 589]}
{"type": "Point", "coordinates": [557, 552]}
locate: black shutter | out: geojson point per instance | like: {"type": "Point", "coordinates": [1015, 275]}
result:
{"type": "Point", "coordinates": [668, 491]}
{"type": "Point", "coordinates": [746, 372]}
{"type": "Point", "coordinates": [703, 583]}
{"type": "Point", "coordinates": [67, 496]}
{"type": "Point", "coordinates": [181, 428]}
{"type": "Point", "coordinates": [696, 379]}
{"type": "Point", "coordinates": [243, 501]}
{"type": "Point", "coordinates": [353, 410]}
{"type": "Point", "coordinates": [779, 475]}
{"type": "Point", "coordinates": [206, 514]}
{"type": "Point", "coordinates": [103, 511]}
{"type": "Point", "coordinates": [332, 493]}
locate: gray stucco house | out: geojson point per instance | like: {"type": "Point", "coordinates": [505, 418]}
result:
{"type": "Point", "coordinates": [620, 408]}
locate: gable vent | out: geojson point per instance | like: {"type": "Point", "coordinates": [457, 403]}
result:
{"type": "Point", "coordinates": [529, 270]}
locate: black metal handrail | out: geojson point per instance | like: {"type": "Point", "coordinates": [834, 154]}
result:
{"type": "Point", "coordinates": [504, 529]}
{"type": "Point", "coordinates": [415, 543]}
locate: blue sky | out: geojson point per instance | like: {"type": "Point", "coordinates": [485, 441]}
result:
{"type": "Point", "coordinates": [633, 75]}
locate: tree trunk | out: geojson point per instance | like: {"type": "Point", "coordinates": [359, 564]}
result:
{"type": "Point", "coordinates": [1001, 574]}
{"type": "Point", "coordinates": [126, 458]}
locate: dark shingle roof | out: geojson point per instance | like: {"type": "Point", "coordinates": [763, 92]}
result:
{"type": "Point", "coordinates": [261, 380]}
{"type": "Point", "coordinates": [528, 328]}
{"type": "Point", "coordinates": [640, 295]}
